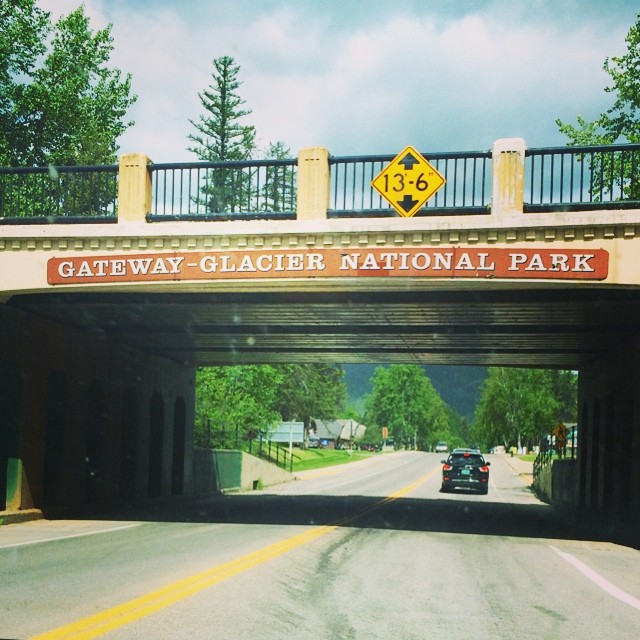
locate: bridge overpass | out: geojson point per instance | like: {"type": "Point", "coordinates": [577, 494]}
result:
{"type": "Point", "coordinates": [117, 281]}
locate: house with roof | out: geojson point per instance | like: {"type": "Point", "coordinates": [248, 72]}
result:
{"type": "Point", "coordinates": [334, 434]}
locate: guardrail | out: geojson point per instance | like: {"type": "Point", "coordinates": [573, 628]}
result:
{"type": "Point", "coordinates": [251, 190]}
{"type": "Point", "coordinates": [37, 195]}
{"type": "Point", "coordinates": [542, 460]}
{"type": "Point", "coordinates": [578, 178]}
{"type": "Point", "coordinates": [552, 180]}
{"type": "Point", "coordinates": [272, 452]}
{"type": "Point", "coordinates": [467, 189]}
{"type": "Point", "coordinates": [547, 456]}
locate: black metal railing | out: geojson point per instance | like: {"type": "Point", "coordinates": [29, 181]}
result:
{"type": "Point", "coordinates": [272, 452]}
{"type": "Point", "coordinates": [247, 190]}
{"type": "Point", "coordinates": [542, 461]}
{"type": "Point", "coordinates": [58, 194]}
{"type": "Point", "coordinates": [467, 189]}
{"type": "Point", "coordinates": [587, 177]}
{"type": "Point", "coordinates": [556, 179]}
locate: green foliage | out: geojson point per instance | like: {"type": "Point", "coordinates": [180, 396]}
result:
{"type": "Point", "coordinates": [23, 32]}
{"type": "Point", "coordinates": [311, 390]}
{"type": "Point", "coordinates": [522, 405]}
{"type": "Point", "coordinates": [220, 137]}
{"type": "Point", "coordinates": [615, 173]}
{"type": "Point", "coordinates": [278, 192]}
{"type": "Point", "coordinates": [234, 404]}
{"type": "Point", "coordinates": [404, 400]}
{"type": "Point", "coordinates": [60, 104]}
{"type": "Point", "coordinates": [56, 192]}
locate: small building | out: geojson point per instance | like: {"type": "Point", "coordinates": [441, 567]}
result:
{"type": "Point", "coordinates": [336, 434]}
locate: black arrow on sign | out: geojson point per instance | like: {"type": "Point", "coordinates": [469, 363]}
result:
{"type": "Point", "coordinates": [407, 203]}
{"type": "Point", "coordinates": [409, 161]}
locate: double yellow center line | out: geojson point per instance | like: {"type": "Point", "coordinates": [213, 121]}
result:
{"type": "Point", "coordinates": [128, 612]}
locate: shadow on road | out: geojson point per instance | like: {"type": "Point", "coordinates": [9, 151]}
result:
{"type": "Point", "coordinates": [404, 514]}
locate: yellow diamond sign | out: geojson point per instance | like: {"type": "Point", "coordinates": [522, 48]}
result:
{"type": "Point", "coordinates": [407, 182]}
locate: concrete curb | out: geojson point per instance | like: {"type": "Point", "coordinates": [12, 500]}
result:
{"type": "Point", "coordinates": [19, 515]}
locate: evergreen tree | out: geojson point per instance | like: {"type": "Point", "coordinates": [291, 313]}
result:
{"type": "Point", "coordinates": [279, 190]}
{"type": "Point", "coordinates": [220, 137]}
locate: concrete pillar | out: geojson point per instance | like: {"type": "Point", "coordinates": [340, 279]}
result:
{"type": "Point", "coordinates": [313, 183]}
{"type": "Point", "coordinates": [134, 188]}
{"type": "Point", "coordinates": [508, 177]}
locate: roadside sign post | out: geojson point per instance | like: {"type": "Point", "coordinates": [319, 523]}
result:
{"type": "Point", "coordinates": [560, 433]}
{"type": "Point", "coordinates": [407, 182]}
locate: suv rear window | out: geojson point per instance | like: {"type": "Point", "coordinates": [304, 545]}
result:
{"type": "Point", "coordinates": [459, 460]}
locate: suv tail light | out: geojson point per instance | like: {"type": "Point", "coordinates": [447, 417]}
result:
{"type": "Point", "coordinates": [484, 469]}
{"type": "Point", "coordinates": [447, 467]}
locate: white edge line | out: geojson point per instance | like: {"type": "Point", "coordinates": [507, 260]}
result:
{"type": "Point", "coordinates": [68, 537]}
{"type": "Point", "coordinates": [597, 579]}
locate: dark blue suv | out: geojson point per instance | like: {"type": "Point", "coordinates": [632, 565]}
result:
{"type": "Point", "coordinates": [465, 468]}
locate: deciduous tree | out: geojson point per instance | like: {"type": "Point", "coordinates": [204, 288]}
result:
{"type": "Point", "coordinates": [311, 391]}
{"type": "Point", "coordinates": [517, 406]}
{"type": "Point", "coordinates": [404, 400]}
{"type": "Point", "coordinates": [60, 103]}
{"type": "Point", "coordinates": [233, 403]}
{"type": "Point", "coordinates": [620, 123]}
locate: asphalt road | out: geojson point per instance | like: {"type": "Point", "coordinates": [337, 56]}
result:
{"type": "Point", "coordinates": [367, 550]}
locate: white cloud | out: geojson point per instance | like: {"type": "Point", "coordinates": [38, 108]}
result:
{"type": "Point", "coordinates": [363, 79]}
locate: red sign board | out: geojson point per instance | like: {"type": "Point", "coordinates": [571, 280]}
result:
{"type": "Point", "coordinates": [441, 262]}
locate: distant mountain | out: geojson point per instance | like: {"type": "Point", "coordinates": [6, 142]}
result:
{"type": "Point", "coordinates": [458, 386]}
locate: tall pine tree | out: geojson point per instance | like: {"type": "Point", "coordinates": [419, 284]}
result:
{"type": "Point", "coordinates": [221, 137]}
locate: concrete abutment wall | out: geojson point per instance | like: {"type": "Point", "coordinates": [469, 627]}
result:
{"type": "Point", "coordinates": [86, 421]}
{"type": "Point", "coordinates": [607, 470]}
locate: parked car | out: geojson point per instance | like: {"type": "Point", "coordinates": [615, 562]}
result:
{"type": "Point", "coordinates": [442, 447]}
{"type": "Point", "coordinates": [465, 468]}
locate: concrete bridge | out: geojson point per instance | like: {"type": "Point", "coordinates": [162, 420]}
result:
{"type": "Point", "coordinates": [116, 282]}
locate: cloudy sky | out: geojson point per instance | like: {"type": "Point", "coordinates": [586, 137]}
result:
{"type": "Point", "coordinates": [366, 76]}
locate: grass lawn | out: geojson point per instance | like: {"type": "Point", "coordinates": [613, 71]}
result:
{"type": "Point", "coordinates": [305, 459]}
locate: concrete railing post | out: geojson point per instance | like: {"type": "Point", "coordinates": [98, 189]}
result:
{"type": "Point", "coordinates": [134, 188]}
{"type": "Point", "coordinates": [507, 196]}
{"type": "Point", "coordinates": [313, 183]}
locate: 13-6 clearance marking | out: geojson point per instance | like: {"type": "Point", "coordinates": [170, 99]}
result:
{"type": "Point", "coordinates": [407, 182]}
{"type": "Point", "coordinates": [421, 183]}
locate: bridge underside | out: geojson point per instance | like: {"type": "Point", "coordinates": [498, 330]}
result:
{"type": "Point", "coordinates": [558, 327]}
